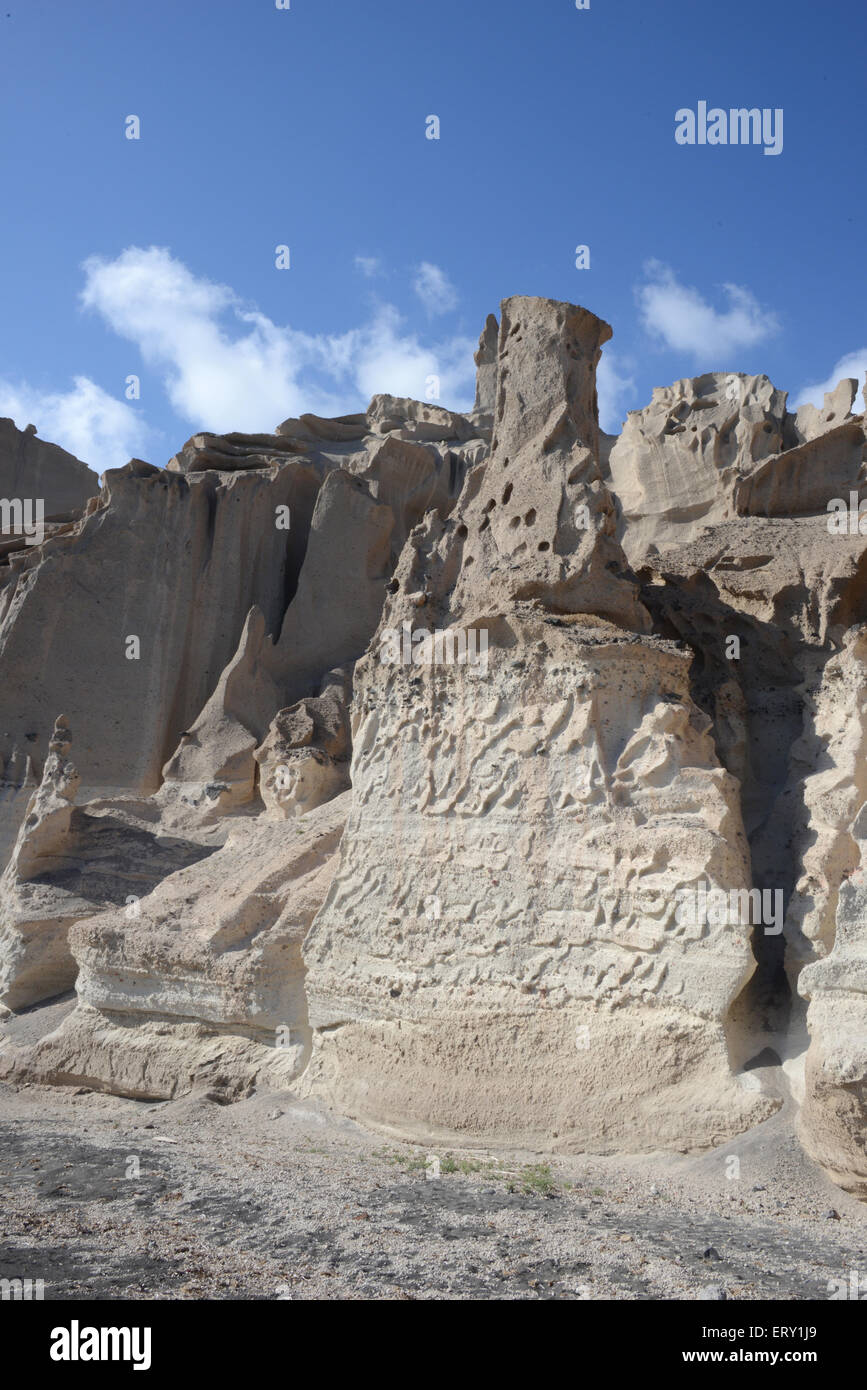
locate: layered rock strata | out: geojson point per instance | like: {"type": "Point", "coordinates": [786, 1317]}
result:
{"type": "Point", "coordinates": [484, 776]}
{"type": "Point", "coordinates": [500, 952]}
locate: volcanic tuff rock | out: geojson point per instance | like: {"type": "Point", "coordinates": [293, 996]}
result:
{"type": "Point", "coordinates": [70, 862]}
{"type": "Point", "coordinates": [724, 445]}
{"type": "Point", "coordinates": [202, 983]}
{"type": "Point", "coordinates": [549, 809]}
{"type": "Point", "coordinates": [32, 468]}
{"type": "Point", "coordinates": [235, 707]}
{"type": "Point", "coordinates": [450, 894]}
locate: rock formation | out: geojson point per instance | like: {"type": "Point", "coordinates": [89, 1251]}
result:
{"type": "Point", "coordinates": [486, 777]}
{"type": "Point", "coordinates": [32, 468]}
{"type": "Point", "coordinates": [548, 808]}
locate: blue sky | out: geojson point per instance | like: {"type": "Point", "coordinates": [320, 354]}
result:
{"type": "Point", "coordinates": [306, 127]}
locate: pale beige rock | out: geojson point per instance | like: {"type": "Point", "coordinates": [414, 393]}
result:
{"type": "Point", "coordinates": [785, 703]}
{"type": "Point", "coordinates": [535, 520]}
{"type": "Point", "coordinates": [233, 452]}
{"type": "Point", "coordinates": [32, 949]}
{"type": "Point", "coordinates": [515, 969]}
{"type": "Point", "coordinates": [416, 420]}
{"type": "Point", "coordinates": [833, 1121]}
{"type": "Point", "coordinates": [328, 623]}
{"type": "Point", "coordinates": [485, 359]}
{"type": "Point", "coordinates": [358, 527]}
{"type": "Point", "coordinates": [174, 561]}
{"type": "Point", "coordinates": [304, 759]}
{"type": "Point", "coordinates": [499, 956]}
{"type": "Point", "coordinates": [723, 445]}
{"type": "Point", "coordinates": [213, 768]}
{"type": "Point", "coordinates": [811, 423]}
{"type": "Point", "coordinates": [202, 981]}
{"type": "Point", "coordinates": [412, 479]}
{"type": "Point", "coordinates": [314, 427]}
{"type": "Point", "coordinates": [68, 863]}
{"type": "Point", "coordinates": [675, 466]}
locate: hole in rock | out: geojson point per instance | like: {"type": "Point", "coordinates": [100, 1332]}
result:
{"type": "Point", "coordinates": [766, 1058]}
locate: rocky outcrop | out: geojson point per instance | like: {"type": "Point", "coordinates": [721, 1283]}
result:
{"type": "Point", "coordinates": [69, 863]}
{"type": "Point", "coordinates": [153, 587]}
{"type": "Point", "coordinates": [200, 985]}
{"type": "Point", "coordinates": [486, 777]}
{"type": "Point", "coordinates": [723, 445]}
{"type": "Point", "coordinates": [31, 468]}
{"type": "Point", "coordinates": [543, 811]}
{"type": "Point", "coordinates": [257, 568]}
{"type": "Point", "coordinates": [832, 1122]}
{"type": "Point", "coordinates": [304, 759]}
{"type": "Point", "coordinates": [485, 359]}
{"type": "Point", "coordinates": [499, 954]}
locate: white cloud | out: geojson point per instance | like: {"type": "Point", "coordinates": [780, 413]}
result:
{"type": "Point", "coordinates": [218, 380]}
{"type": "Point", "coordinates": [87, 421]}
{"type": "Point", "coordinates": [687, 323]}
{"type": "Point", "coordinates": [368, 265]}
{"type": "Point", "coordinates": [853, 364]}
{"type": "Point", "coordinates": [613, 391]}
{"type": "Point", "coordinates": [381, 357]}
{"type": "Point", "coordinates": [434, 289]}
{"type": "Point", "coordinates": [227, 366]}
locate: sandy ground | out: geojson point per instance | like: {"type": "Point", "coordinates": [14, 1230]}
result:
{"type": "Point", "coordinates": [272, 1198]}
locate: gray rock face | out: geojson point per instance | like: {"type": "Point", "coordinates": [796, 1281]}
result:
{"type": "Point", "coordinates": [30, 467]}
{"type": "Point", "coordinates": [486, 371]}
{"type": "Point", "coordinates": [165, 569]}
{"type": "Point", "coordinates": [485, 776]}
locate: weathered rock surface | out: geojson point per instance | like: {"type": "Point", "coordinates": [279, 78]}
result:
{"type": "Point", "coordinates": [592, 681]}
{"type": "Point", "coordinates": [252, 576]}
{"type": "Point", "coordinates": [69, 863]}
{"type": "Point", "coordinates": [304, 759]}
{"type": "Point", "coordinates": [202, 981]}
{"type": "Point", "coordinates": [175, 563]}
{"type": "Point", "coordinates": [723, 445]}
{"type": "Point", "coordinates": [486, 374]}
{"type": "Point", "coordinates": [545, 812]}
{"type": "Point", "coordinates": [32, 468]}
{"type": "Point", "coordinates": [499, 954]}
